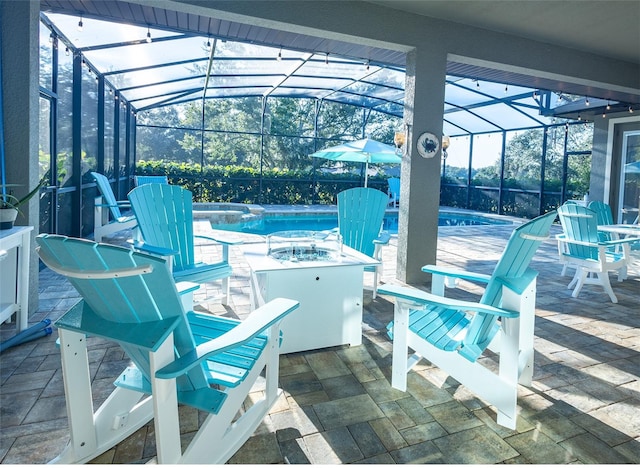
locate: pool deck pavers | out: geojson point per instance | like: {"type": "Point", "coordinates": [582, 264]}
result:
{"type": "Point", "coordinates": [338, 406]}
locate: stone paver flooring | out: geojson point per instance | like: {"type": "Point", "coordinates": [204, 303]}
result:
{"type": "Point", "coordinates": [338, 406]}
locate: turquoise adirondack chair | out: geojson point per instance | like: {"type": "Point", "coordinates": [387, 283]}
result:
{"type": "Point", "coordinates": [103, 226]}
{"type": "Point", "coordinates": [360, 215]}
{"type": "Point", "coordinates": [394, 191]}
{"type": "Point", "coordinates": [178, 357]}
{"type": "Point", "coordinates": [141, 180]}
{"type": "Point", "coordinates": [165, 216]}
{"type": "Point", "coordinates": [453, 334]}
{"type": "Point", "coordinates": [581, 245]}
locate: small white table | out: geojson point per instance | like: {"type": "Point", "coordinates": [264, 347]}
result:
{"type": "Point", "coordinates": [15, 246]}
{"type": "Point", "coordinates": [329, 292]}
{"type": "Point", "coordinates": [626, 230]}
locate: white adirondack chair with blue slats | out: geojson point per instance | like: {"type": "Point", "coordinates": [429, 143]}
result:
{"type": "Point", "coordinates": [141, 180]}
{"type": "Point", "coordinates": [360, 215]}
{"type": "Point", "coordinates": [453, 334]}
{"type": "Point", "coordinates": [581, 244]}
{"type": "Point", "coordinates": [165, 217]}
{"type": "Point", "coordinates": [178, 357]}
{"type": "Point", "coordinates": [103, 226]}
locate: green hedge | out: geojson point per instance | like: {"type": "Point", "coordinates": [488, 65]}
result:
{"type": "Point", "coordinates": [247, 185]}
{"type": "Point", "coordinates": [284, 187]}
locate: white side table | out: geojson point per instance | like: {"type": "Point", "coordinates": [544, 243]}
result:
{"type": "Point", "coordinates": [15, 247]}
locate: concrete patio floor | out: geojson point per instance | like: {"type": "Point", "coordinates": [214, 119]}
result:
{"type": "Point", "coordinates": [338, 405]}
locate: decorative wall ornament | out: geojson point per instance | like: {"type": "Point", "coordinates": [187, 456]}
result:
{"type": "Point", "coordinates": [428, 145]}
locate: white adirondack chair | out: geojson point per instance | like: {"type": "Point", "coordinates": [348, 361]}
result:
{"type": "Point", "coordinates": [453, 334]}
{"type": "Point", "coordinates": [178, 356]}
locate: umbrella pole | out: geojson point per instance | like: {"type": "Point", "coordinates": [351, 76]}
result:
{"type": "Point", "coordinates": [366, 173]}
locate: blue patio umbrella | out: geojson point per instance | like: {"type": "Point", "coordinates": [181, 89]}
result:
{"type": "Point", "coordinates": [363, 151]}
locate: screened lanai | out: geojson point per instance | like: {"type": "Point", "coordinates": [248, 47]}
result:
{"type": "Point", "coordinates": [133, 75]}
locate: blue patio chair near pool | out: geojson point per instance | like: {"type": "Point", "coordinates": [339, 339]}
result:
{"type": "Point", "coordinates": [179, 357]}
{"type": "Point", "coordinates": [165, 216]}
{"type": "Point", "coordinates": [453, 334]}
{"type": "Point", "coordinates": [103, 226]}
{"type": "Point", "coordinates": [593, 258]}
{"type": "Point", "coordinates": [360, 215]}
{"type": "Point", "coordinates": [394, 191]}
{"type": "Point", "coordinates": [141, 180]}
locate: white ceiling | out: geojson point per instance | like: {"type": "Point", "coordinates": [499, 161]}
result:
{"type": "Point", "coordinates": [609, 28]}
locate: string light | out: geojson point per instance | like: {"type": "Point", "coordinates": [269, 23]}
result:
{"type": "Point", "coordinates": [477, 83]}
{"type": "Point", "coordinates": [586, 101]}
{"type": "Point", "coordinates": [630, 110]}
{"type": "Point", "coordinates": [368, 64]}
{"type": "Point", "coordinates": [326, 59]}
{"type": "Point", "coordinates": [80, 24]}
{"type": "Point", "coordinates": [66, 51]}
{"type": "Point", "coordinates": [148, 36]}
{"type": "Point", "coordinates": [506, 89]}
{"type": "Point", "coordinates": [209, 43]}
{"type": "Point", "coordinates": [279, 54]}
{"type": "Point", "coordinates": [608, 105]}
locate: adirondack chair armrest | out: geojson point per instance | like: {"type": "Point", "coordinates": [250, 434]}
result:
{"type": "Point", "coordinates": [185, 287]}
{"type": "Point", "coordinates": [419, 297]}
{"type": "Point", "coordinates": [152, 249]}
{"type": "Point", "coordinates": [150, 335]}
{"type": "Point", "coordinates": [383, 238]}
{"type": "Point", "coordinates": [221, 240]}
{"type": "Point", "coordinates": [626, 240]}
{"type": "Point", "coordinates": [518, 285]}
{"type": "Point", "coordinates": [449, 272]}
{"type": "Point", "coordinates": [120, 204]}
{"type": "Point", "coordinates": [258, 321]}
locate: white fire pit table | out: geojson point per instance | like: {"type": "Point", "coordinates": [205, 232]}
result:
{"type": "Point", "coordinates": [315, 269]}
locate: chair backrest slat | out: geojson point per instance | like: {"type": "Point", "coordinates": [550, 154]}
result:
{"type": "Point", "coordinates": [360, 215]}
{"type": "Point", "coordinates": [165, 216]}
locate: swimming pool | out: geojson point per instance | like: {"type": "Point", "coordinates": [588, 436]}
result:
{"type": "Point", "coordinates": [270, 223]}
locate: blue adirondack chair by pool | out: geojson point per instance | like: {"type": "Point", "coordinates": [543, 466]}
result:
{"type": "Point", "coordinates": [453, 334]}
{"type": "Point", "coordinates": [165, 217]}
{"type": "Point", "coordinates": [141, 180]}
{"type": "Point", "coordinates": [178, 357]}
{"type": "Point", "coordinates": [394, 191]}
{"type": "Point", "coordinates": [103, 226]}
{"type": "Point", "coordinates": [360, 215]}
{"type": "Point", "coordinates": [581, 245]}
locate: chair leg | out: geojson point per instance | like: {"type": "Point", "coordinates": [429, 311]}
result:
{"type": "Point", "coordinates": [578, 280]}
{"type": "Point", "coordinates": [226, 290]}
{"type": "Point", "coordinates": [119, 416]}
{"type": "Point", "coordinates": [606, 284]}
{"type": "Point", "coordinates": [400, 365]}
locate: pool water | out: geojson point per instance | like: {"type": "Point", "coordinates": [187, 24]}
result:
{"type": "Point", "coordinates": [269, 224]}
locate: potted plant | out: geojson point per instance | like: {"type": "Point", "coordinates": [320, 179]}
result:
{"type": "Point", "coordinates": [9, 204]}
